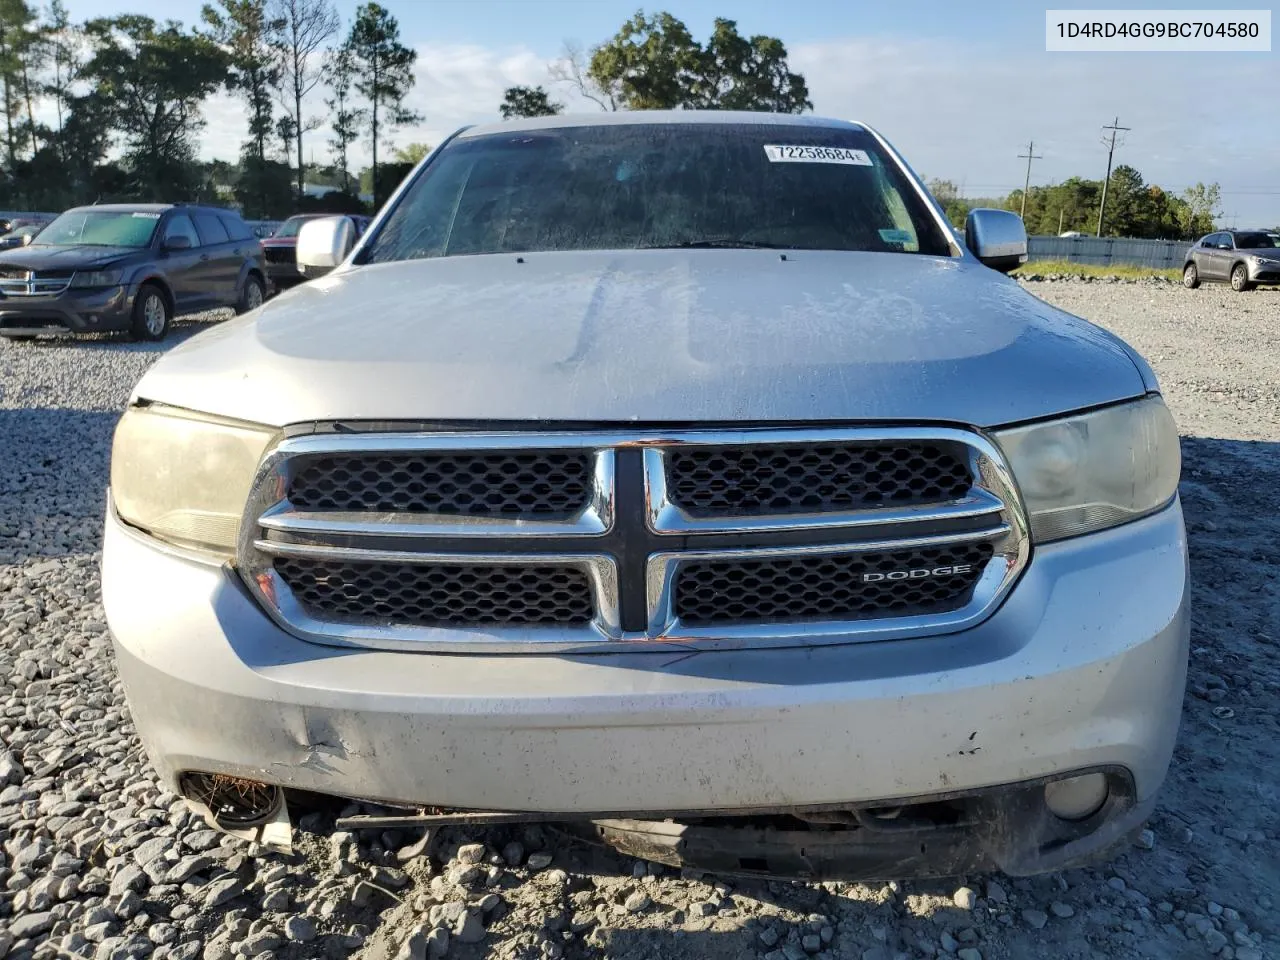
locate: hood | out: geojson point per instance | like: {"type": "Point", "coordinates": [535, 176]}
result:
{"type": "Point", "coordinates": [652, 336]}
{"type": "Point", "coordinates": [1271, 253]}
{"type": "Point", "coordinates": [39, 257]}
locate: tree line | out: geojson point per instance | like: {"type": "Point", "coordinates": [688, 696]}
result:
{"type": "Point", "coordinates": [110, 109]}
{"type": "Point", "coordinates": [1135, 208]}
{"type": "Point", "coordinates": [126, 94]}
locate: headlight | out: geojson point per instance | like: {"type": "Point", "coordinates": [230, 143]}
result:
{"type": "Point", "coordinates": [185, 477]}
{"type": "Point", "coordinates": [1095, 470]}
{"type": "Point", "coordinates": [97, 278]}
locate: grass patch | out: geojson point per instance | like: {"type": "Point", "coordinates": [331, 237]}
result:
{"type": "Point", "coordinates": [1043, 267]}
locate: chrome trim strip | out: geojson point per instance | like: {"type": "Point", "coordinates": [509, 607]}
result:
{"type": "Point", "coordinates": [281, 604]}
{"type": "Point", "coordinates": [664, 516]}
{"type": "Point", "coordinates": [594, 520]}
{"type": "Point", "coordinates": [996, 577]}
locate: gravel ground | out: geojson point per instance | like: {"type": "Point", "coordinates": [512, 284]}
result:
{"type": "Point", "coordinates": [98, 862]}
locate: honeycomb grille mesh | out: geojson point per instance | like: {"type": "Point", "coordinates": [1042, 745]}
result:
{"type": "Point", "coordinates": [825, 587]}
{"type": "Point", "coordinates": [542, 484]}
{"type": "Point", "coordinates": [814, 478]}
{"type": "Point", "coordinates": [446, 595]}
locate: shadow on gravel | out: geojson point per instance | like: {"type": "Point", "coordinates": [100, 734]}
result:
{"type": "Point", "coordinates": [179, 330]}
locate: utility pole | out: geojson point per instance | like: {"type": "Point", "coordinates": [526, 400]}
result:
{"type": "Point", "coordinates": [1061, 212]}
{"type": "Point", "coordinates": [1028, 156]}
{"type": "Point", "coordinates": [1111, 151]}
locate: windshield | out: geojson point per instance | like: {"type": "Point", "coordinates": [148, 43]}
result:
{"type": "Point", "coordinates": [102, 228]}
{"type": "Point", "coordinates": [1256, 241]}
{"type": "Point", "coordinates": [291, 227]}
{"type": "Point", "coordinates": [640, 186]}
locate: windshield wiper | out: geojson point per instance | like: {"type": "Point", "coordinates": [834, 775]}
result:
{"type": "Point", "coordinates": [717, 242]}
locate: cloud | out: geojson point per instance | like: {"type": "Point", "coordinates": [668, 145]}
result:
{"type": "Point", "coordinates": [960, 113]}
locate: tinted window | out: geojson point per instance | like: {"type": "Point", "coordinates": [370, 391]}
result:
{"type": "Point", "coordinates": [236, 228]}
{"type": "Point", "coordinates": [635, 186]}
{"type": "Point", "coordinates": [1255, 241]}
{"type": "Point", "coordinates": [211, 229]}
{"type": "Point", "coordinates": [100, 228]}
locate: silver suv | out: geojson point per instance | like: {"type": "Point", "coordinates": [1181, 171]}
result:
{"type": "Point", "coordinates": [678, 476]}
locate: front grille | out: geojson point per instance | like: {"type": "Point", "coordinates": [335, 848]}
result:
{"type": "Point", "coordinates": [829, 587]}
{"type": "Point", "coordinates": [814, 478]}
{"type": "Point", "coordinates": [544, 484]}
{"type": "Point", "coordinates": [280, 254]}
{"type": "Point", "coordinates": [23, 283]}
{"type": "Point", "coordinates": [434, 595]}
{"type": "Point", "coordinates": [567, 539]}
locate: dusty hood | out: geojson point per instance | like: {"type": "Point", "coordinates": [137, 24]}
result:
{"type": "Point", "coordinates": [659, 335]}
{"type": "Point", "coordinates": [46, 257]}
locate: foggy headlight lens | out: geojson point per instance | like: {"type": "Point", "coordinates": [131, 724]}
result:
{"type": "Point", "coordinates": [184, 477]}
{"type": "Point", "coordinates": [1095, 470]}
{"type": "Point", "coordinates": [97, 278]}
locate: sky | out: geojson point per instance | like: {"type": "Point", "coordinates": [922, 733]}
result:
{"type": "Point", "coordinates": [959, 88]}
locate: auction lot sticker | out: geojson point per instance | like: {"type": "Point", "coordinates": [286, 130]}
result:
{"type": "Point", "coordinates": [782, 153]}
{"type": "Point", "coordinates": [1170, 31]}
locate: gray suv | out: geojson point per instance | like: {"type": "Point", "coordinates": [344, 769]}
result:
{"type": "Point", "coordinates": [1242, 258]}
{"type": "Point", "coordinates": [129, 268]}
{"type": "Point", "coordinates": [682, 475]}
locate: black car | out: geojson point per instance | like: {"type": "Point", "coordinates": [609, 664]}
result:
{"type": "Point", "coordinates": [131, 268]}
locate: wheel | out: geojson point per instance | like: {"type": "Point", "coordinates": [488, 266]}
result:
{"type": "Point", "coordinates": [1190, 276]}
{"type": "Point", "coordinates": [252, 296]}
{"type": "Point", "coordinates": [150, 315]}
{"type": "Point", "coordinates": [1240, 279]}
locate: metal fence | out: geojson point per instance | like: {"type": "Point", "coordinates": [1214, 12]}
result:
{"type": "Point", "coordinates": [1110, 251]}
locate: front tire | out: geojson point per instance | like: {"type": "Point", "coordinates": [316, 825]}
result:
{"type": "Point", "coordinates": [1190, 276]}
{"type": "Point", "coordinates": [252, 295]}
{"type": "Point", "coordinates": [150, 315]}
{"type": "Point", "coordinates": [1240, 279]}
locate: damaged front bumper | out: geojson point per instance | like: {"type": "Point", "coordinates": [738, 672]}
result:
{"type": "Point", "coordinates": [1083, 667]}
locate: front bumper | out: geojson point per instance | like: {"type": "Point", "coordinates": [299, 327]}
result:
{"type": "Point", "coordinates": [74, 311]}
{"type": "Point", "coordinates": [1082, 667]}
{"type": "Point", "coordinates": [1264, 273]}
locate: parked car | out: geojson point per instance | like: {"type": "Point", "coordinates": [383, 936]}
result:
{"type": "Point", "coordinates": [281, 248]}
{"type": "Point", "coordinates": [20, 236]}
{"type": "Point", "coordinates": [1242, 258]}
{"type": "Point", "coordinates": [681, 475]}
{"type": "Point", "coordinates": [131, 268]}
{"type": "Point", "coordinates": [1072, 233]}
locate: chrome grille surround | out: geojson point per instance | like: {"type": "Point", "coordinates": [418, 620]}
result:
{"type": "Point", "coordinates": [630, 540]}
{"type": "Point", "coordinates": [28, 283]}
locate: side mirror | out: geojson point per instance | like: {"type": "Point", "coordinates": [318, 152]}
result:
{"type": "Point", "coordinates": [323, 244]}
{"type": "Point", "coordinates": [177, 242]}
{"type": "Point", "coordinates": [27, 238]}
{"type": "Point", "coordinates": [996, 237]}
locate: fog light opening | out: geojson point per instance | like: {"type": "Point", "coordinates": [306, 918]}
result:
{"type": "Point", "coordinates": [234, 802]}
{"type": "Point", "coordinates": [1076, 798]}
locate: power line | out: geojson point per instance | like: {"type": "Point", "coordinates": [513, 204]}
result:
{"type": "Point", "coordinates": [1115, 128]}
{"type": "Point", "coordinates": [1028, 156]}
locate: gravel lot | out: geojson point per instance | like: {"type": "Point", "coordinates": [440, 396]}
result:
{"type": "Point", "coordinates": [97, 862]}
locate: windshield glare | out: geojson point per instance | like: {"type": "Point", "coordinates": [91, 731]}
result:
{"type": "Point", "coordinates": [100, 228]}
{"type": "Point", "coordinates": [291, 227]}
{"type": "Point", "coordinates": [641, 186]}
